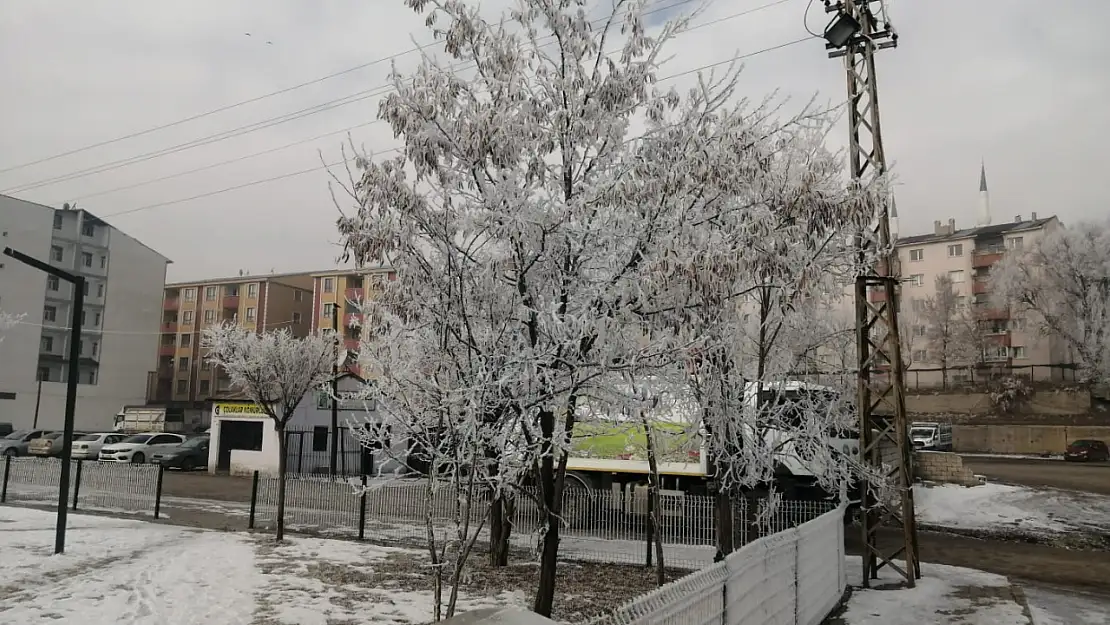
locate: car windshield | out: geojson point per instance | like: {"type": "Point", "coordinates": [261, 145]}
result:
{"type": "Point", "coordinates": [90, 437]}
{"type": "Point", "coordinates": [17, 435]}
{"type": "Point", "coordinates": [195, 442]}
{"type": "Point", "coordinates": [137, 439]}
{"type": "Point", "coordinates": [52, 435]}
{"type": "Point", "coordinates": [921, 432]}
{"type": "Point", "coordinates": [1082, 444]}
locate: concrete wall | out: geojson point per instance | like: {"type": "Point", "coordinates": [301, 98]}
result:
{"type": "Point", "coordinates": [1022, 439]}
{"type": "Point", "coordinates": [1044, 401]}
{"type": "Point", "coordinates": [245, 462]}
{"type": "Point", "coordinates": [944, 467]}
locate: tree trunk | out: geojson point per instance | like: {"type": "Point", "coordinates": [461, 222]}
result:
{"type": "Point", "coordinates": [552, 503]}
{"type": "Point", "coordinates": [723, 513]}
{"type": "Point", "coordinates": [654, 507]}
{"type": "Point", "coordinates": [499, 531]}
{"type": "Point", "coordinates": [282, 460]}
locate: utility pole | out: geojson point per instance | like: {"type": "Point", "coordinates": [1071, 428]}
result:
{"type": "Point", "coordinates": [333, 462]}
{"type": "Point", "coordinates": [38, 401]}
{"type": "Point", "coordinates": [74, 371]}
{"type": "Point", "coordinates": [856, 34]}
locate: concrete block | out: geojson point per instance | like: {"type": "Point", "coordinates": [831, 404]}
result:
{"type": "Point", "coordinates": [499, 616]}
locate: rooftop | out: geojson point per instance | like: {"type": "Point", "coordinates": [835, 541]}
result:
{"type": "Point", "coordinates": [247, 277]}
{"type": "Point", "coordinates": [978, 232]}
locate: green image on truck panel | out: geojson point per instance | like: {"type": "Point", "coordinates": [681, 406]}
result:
{"type": "Point", "coordinates": [675, 442]}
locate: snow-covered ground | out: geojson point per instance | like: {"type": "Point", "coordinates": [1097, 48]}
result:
{"type": "Point", "coordinates": [1001, 507]}
{"type": "Point", "coordinates": [944, 595]}
{"type": "Point", "coordinates": [1057, 606]}
{"type": "Point", "coordinates": [118, 571]}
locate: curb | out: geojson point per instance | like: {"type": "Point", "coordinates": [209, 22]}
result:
{"type": "Point", "coordinates": [1020, 599]}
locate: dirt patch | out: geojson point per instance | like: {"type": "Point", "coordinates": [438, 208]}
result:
{"type": "Point", "coordinates": [196, 485]}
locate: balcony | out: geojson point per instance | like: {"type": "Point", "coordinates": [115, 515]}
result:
{"type": "Point", "coordinates": [167, 349]}
{"type": "Point", "coordinates": [231, 301]}
{"type": "Point", "coordinates": [980, 287]}
{"type": "Point", "coordinates": [1001, 340]}
{"type": "Point", "coordinates": [352, 345]}
{"type": "Point", "coordinates": [987, 256]}
{"type": "Point", "coordinates": [171, 304]}
{"type": "Point", "coordinates": [355, 294]}
{"type": "Point", "coordinates": [169, 327]}
{"type": "Point", "coordinates": [986, 313]}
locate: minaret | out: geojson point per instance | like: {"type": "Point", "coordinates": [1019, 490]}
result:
{"type": "Point", "coordinates": [893, 217]}
{"type": "Point", "coordinates": [984, 197]}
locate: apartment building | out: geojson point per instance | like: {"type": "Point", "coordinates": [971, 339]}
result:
{"type": "Point", "coordinates": [121, 314]}
{"type": "Point", "coordinates": [335, 298]}
{"type": "Point", "coordinates": [261, 303]}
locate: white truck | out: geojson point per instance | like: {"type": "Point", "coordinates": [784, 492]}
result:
{"type": "Point", "coordinates": [139, 419]}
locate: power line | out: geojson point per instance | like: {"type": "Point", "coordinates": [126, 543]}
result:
{"type": "Point", "coordinates": [395, 149]}
{"type": "Point", "coordinates": [318, 108]}
{"type": "Point", "coordinates": [235, 105]}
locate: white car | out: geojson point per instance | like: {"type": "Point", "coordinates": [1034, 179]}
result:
{"type": "Point", "coordinates": [87, 447]}
{"type": "Point", "coordinates": [140, 447]}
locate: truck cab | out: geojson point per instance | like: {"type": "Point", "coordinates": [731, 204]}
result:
{"type": "Point", "coordinates": [929, 436]}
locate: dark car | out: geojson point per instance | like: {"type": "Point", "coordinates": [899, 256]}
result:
{"type": "Point", "coordinates": [1087, 450]}
{"type": "Point", "coordinates": [187, 456]}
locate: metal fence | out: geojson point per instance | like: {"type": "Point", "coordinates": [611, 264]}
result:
{"type": "Point", "coordinates": [793, 577]}
{"type": "Point", "coordinates": [597, 526]}
{"type": "Point", "coordinates": [97, 486]}
{"type": "Point", "coordinates": [308, 452]}
{"type": "Point", "coordinates": [919, 376]}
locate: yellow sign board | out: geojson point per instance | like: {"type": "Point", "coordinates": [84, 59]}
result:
{"type": "Point", "coordinates": [243, 409]}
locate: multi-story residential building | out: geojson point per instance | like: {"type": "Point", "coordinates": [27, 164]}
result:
{"type": "Point", "coordinates": [335, 298]}
{"type": "Point", "coordinates": [121, 313]}
{"type": "Point", "coordinates": [269, 302]}
{"type": "Point", "coordinates": [964, 256]}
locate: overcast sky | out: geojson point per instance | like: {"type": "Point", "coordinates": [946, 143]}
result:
{"type": "Point", "coordinates": [1021, 84]}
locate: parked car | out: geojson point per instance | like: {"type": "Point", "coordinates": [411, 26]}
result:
{"type": "Point", "coordinates": [1087, 450]}
{"type": "Point", "coordinates": [88, 446]}
{"type": "Point", "coordinates": [6, 428]}
{"type": "Point", "coordinates": [16, 443]}
{"type": "Point", "coordinates": [139, 448]}
{"type": "Point", "coordinates": [187, 456]}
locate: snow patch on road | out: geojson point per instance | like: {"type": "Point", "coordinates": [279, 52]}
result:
{"type": "Point", "coordinates": [1003, 507]}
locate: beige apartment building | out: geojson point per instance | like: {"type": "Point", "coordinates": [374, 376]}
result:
{"type": "Point", "coordinates": [335, 298]}
{"type": "Point", "coordinates": [260, 303]}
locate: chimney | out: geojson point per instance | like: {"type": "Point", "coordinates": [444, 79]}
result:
{"type": "Point", "coordinates": [937, 229]}
{"type": "Point", "coordinates": [1017, 219]}
{"type": "Point", "coordinates": [951, 226]}
{"type": "Point", "coordinates": [1033, 216]}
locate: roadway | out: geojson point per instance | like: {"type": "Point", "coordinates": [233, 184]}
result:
{"type": "Point", "coordinates": [1091, 477]}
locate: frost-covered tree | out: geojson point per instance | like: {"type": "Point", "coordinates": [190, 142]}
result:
{"type": "Point", "coordinates": [7, 322]}
{"type": "Point", "coordinates": [275, 370]}
{"type": "Point", "coordinates": [1061, 284]}
{"type": "Point", "coordinates": [950, 329]}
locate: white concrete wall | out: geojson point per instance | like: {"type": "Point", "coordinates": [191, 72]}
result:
{"type": "Point", "coordinates": [244, 461]}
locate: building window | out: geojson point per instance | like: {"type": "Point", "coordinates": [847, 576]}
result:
{"type": "Point", "coordinates": [1015, 243]}
{"type": "Point", "coordinates": [917, 279]}
{"type": "Point", "coordinates": [1019, 351]}
{"type": "Point", "coordinates": [917, 255]}
{"type": "Point", "coordinates": [298, 296]}
{"type": "Point", "coordinates": [209, 316]}
{"type": "Point", "coordinates": [95, 347]}
{"type": "Point", "coordinates": [250, 313]}
{"type": "Point", "coordinates": [57, 221]}
{"type": "Point", "coordinates": [100, 290]}
{"type": "Point", "coordinates": [103, 262]}
{"type": "Point", "coordinates": [919, 331]}
{"type": "Point", "coordinates": [81, 348]}
{"type": "Point", "coordinates": [183, 362]}
{"type": "Point", "coordinates": [49, 313]}
{"type": "Point", "coordinates": [956, 277]}
{"type": "Point", "coordinates": [88, 229]}
{"type": "Point", "coordinates": [86, 289]}
{"type": "Point", "coordinates": [205, 365]}
{"type": "Point", "coordinates": [187, 318]}
{"type": "Point", "coordinates": [47, 343]}
{"type": "Point", "coordinates": [320, 438]}
{"type": "Point", "coordinates": [186, 340]}
{"type": "Point", "coordinates": [205, 387]}
{"type": "Point", "coordinates": [91, 377]}
{"type": "Point", "coordinates": [252, 289]}
{"type": "Point", "coordinates": [44, 374]}
{"type": "Point", "coordinates": [190, 295]}
{"type": "Point", "coordinates": [56, 253]}
{"type": "Point", "coordinates": [86, 259]}
{"type": "Point", "coordinates": [1017, 325]}
{"type": "Point", "coordinates": [329, 285]}
{"type": "Point", "coordinates": [52, 283]}
{"type": "Point", "coordinates": [231, 291]}
{"type": "Point", "coordinates": [210, 294]}
{"type": "Point", "coordinates": [296, 318]}
{"type": "Point", "coordinates": [955, 250]}
{"type": "Point", "coordinates": [327, 310]}
{"type": "Point", "coordinates": [918, 305]}
{"type": "Point", "coordinates": [84, 316]}
{"type": "Point", "coordinates": [182, 386]}
{"type": "Point", "coordinates": [961, 301]}
{"type": "Point", "coordinates": [920, 355]}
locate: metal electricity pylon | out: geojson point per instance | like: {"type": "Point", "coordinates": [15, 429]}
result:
{"type": "Point", "coordinates": [858, 31]}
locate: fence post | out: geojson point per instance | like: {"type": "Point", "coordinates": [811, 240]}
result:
{"type": "Point", "coordinates": [77, 484]}
{"type": "Point", "coordinates": [7, 472]}
{"type": "Point", "coordinates": [362, 511]}
{"type": "Point", "coordinates": [797, 569]}
{"type": "Point", "coordinates": [254, 500]}
{"type": "Point", "coordinates": [158, 491]}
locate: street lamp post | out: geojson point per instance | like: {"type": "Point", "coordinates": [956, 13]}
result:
{"type": "Point", "coordinates": [78, 283]}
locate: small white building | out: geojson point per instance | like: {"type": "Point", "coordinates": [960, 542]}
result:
{"type": "Point", "coordinates": [245, 440]}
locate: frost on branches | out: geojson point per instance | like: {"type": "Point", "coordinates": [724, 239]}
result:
{"type": "Point", "coordinates": [275, 370]}
{"type": "Point", "coordinates": [7, 322]}
{"type": "Point", "coordinates": [558, 220]}
{"type": "Point", "coordinates": [1061, 285]}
